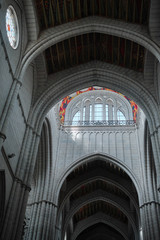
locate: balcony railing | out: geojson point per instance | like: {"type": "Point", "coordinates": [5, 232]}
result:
{"type": "Point", "coordinates": [100, 123]}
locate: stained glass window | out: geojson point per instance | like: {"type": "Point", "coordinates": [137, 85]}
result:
{"type": "Point", "coordinates": [12, 27]}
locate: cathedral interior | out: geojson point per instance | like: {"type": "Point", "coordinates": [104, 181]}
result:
{"type": "Point", "coordinates": [79, 120]}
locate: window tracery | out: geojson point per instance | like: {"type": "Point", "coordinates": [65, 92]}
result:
{"type": "Point", "coordinates": [99, 108]}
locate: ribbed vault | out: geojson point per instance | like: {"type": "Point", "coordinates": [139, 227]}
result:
{"type": "Point", "coordinates": [97, 198]}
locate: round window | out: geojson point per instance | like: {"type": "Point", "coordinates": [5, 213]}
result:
{"type": "Point", "coordinates": [12, 27]}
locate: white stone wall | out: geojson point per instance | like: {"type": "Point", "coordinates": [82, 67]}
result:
{"type": "Point", "coordinates": [118, 142]}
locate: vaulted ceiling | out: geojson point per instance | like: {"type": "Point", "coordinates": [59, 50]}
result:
{"type": "Point", "coordinates": [94, 188]}
{"type": "Point", "coordinates": [94, 46]}
{"type": "Point", "coordinates": [55, 12]}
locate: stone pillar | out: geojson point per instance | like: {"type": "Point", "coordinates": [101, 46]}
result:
{"type": "Point", "coordinates": [150, 207]}
{"type": "Point", "coordinates": [42, 221]}
{"type": "Point", "coordinates": [156, 153]}
{"type": "Point", "coordinates": [15, 211]}
{"type": "Point", "coordinates": [42, 210]}
{"type": "Point", "coordinates": [14, 216]}
{"type": "Point", "coordinates": [149, 212]}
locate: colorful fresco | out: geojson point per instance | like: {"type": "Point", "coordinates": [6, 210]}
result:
{"type": "Point", "coordinates": [67, 100]}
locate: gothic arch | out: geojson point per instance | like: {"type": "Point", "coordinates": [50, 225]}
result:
{"type": "Point", "coordinates": [93, 220]}
{"type": "Point", "coordinates": [65, 83]}
{"type": "Point", "coordinates": [100, 195]}
{"type": "Point", "coordinates": [102, 76]}
{"type": "Point", "coordinates": [125, 188]}
{"type": "Point", "coordinates": [101, 157]}
{"type": "Point", "coordinates": [86, 95]}
{"type": "Point", "coordinates": [92, 197]}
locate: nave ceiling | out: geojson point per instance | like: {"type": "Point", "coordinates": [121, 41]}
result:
{"type": "Point", "coordinates": [94, 46]}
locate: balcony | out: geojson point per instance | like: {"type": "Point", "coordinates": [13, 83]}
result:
{"type": "Point", "coordinates": [100, 123]}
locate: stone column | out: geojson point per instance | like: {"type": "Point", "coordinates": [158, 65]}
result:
{"type": "Point", "coordinates": [42, 210]}
{"type": "Point", "coordinates": [150, 208]}
{"type": "Point", "coordinates": [14, 216]}
{"type": "Point", "coordinates": [156, 158]}
{"type": "Point", "coordinates": [149, 212]}
{"type": "Point", "coordinates": [42, 221]}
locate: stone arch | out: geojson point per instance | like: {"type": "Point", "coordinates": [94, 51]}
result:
{"type": "Point", "coordinates": [102, 157]}
{"type": "Point", "coordinates": [103, 76]}
{"type": "Point", "coordinates": [89, 159]}
{"type": "Point", "coordinates": [154, 24]}
{"type": "Point", "coordinates": [124, 188]}
{"type": "Point", "coordinates": [112, 97]}
{"type": "Point", "coordinates": [100, 230]}
{"type": "Point", "coordinates": [30, 13]}
{"type": "Point", "coordinates": [100, 195]}
{"type": "Point", "coordinates": [93, 220]}
{"type": "Point", "coordinates": [87, 25]}
{"type": "Point", "coordinates": [65, 84]}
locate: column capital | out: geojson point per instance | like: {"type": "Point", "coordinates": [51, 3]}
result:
{"type": "Point", "coordinates": [43, 201]}
{"type": "Point", "coordinates": [149, 203]}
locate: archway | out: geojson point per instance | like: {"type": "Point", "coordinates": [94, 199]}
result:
{"type": "Point", "coordinates": [79, 196]}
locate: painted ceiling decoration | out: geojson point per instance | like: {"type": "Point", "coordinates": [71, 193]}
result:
{"type": "Point", "coordinates": [67, 100]}
{"type": "Point", "coordinates": [55, 12]}
{"type": "Point", "coordinates": [94, 46]}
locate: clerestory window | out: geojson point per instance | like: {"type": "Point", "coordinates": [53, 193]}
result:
{"type": "Point", "coordinates": [120, 116]}
{"type": "Point", "coordinates": [76, 118]}
{"type": "Point", "coordinates": [99, 108]}
{"type": "Point", "coordinates": [98, 113]}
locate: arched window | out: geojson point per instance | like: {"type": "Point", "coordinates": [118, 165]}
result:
{"type": "Point", "coordinates": [99, 108]}
{"type": "Point", "coordinates": [120, 116]}
{"type": "Point", "coordinates": [107, 113]}
{"type": "Point", "coordinates": [98, 112]}
{"type": "Point", "coordinates": [90, 113]}
{"type": "Point", "coordinates": [76, 118]}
